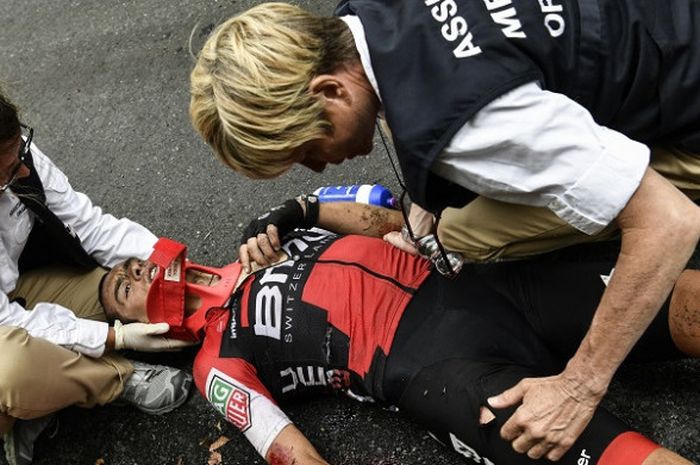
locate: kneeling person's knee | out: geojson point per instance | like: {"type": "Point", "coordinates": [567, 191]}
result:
{"type": "Point", "coordinates": [15, 363]}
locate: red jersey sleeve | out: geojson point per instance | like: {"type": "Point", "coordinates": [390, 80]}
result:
{"type": "Point", "coordinates": [232, 386]}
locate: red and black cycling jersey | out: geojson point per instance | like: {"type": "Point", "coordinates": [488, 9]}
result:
{"type": "Point", "coordinates": [321, 320]}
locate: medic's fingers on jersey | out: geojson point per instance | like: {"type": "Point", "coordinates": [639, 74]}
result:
{"type": "Point", "coordinates": [394, 238]}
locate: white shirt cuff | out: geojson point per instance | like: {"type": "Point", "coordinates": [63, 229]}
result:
{"type": "Point", "coordinates": [91, 337]}
{"type": "Point", "coordinates": [599, 195]}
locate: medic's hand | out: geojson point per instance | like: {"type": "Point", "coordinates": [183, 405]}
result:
{"type": "Point", "coordinates": [553, 414]}
{"type": "Point", "coordinates": [146, 337]}
{"type": "Point", "coordinates": [397, 239]}
{"type": "Point", "coordinates": [421, 222]}
{"type": "Point", "coordinates": [260, 240]}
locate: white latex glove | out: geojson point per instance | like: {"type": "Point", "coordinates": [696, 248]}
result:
{"type": "Point", "coordinates": [146, 337]}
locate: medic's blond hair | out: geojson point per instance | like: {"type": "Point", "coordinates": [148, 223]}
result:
{"type": "Point", "coordinates": [250, 97]}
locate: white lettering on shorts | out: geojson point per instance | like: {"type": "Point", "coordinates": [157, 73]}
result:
{"type": "Point", "coordinates": [454, 27]}
{"type": "Point", "coordinates": [583, 459]}
{"type": "Point", "coordinates": [467, 451]}
{"type": "Point", "coordinates": [230, 399]}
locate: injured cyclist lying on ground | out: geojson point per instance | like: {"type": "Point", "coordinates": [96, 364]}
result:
{"type": "Point", "coordinates": [354, 314]}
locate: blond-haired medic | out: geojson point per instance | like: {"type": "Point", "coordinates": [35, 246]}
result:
{"type": "Point", "coordinates": [550, 104]}
{"type": "Point", "coordinates": [53, 245]}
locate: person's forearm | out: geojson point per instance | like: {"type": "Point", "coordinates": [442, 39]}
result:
{"type": "Point", "coordinates": [261, 240]}
{"type": "Point", "coordinates": [357, 218]}
{"type": "Point", "coordinates": [56, 324]}
{"type": "Point", "coordinates": [660, 229]}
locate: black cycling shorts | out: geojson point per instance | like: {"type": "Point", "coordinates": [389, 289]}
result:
{"type": "Point", "coordinates": [558, 298]}
{"type": "Point", "coordinates": [461, 341]}
{"type": "Point", "coordinates": [446, 398]}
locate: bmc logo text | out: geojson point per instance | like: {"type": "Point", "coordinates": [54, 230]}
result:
{"type": "Point", "coordinates": [274, 303]}
{"type": "Point", "coordinates": [268, 302]}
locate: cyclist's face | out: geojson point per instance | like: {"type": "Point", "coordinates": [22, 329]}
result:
{"type": "Point", "coordinates": [125, 290]}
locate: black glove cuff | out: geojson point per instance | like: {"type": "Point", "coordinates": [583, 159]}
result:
{"type": "Point", "coordinates": [312, 206]}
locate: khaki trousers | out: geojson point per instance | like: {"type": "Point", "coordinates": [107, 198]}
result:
{"type": "Point", "coordinates": [487, 229]}
{"type": "Point", "coordinates": [38, 377]}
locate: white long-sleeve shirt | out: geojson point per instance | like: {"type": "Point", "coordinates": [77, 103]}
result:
{"type": "Point", "coordinates": [540, 148]}
{"type": "Point", "coordinates": [108, 239]}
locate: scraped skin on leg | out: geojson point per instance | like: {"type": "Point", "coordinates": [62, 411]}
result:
{"type": "Point", "coordinates": [684, 315]}
{"type": "Point", "coordinates": [486, 416]}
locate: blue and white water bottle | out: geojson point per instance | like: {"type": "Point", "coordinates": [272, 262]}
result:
{"type": "Point", "coordinates": [371, 194]}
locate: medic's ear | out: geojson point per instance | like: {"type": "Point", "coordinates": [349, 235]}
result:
{"type": "Point", "coordinates": [330, 87]}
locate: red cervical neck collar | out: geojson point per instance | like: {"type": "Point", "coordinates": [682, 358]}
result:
{"type": "Point", "coordinates": [166, 297]}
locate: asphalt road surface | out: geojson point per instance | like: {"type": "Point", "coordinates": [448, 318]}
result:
{"type": "Point", "coordinates": [105, 85]}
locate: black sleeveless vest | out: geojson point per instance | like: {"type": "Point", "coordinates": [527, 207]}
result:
{"type": "Point", "coordinates": [438, 62]}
